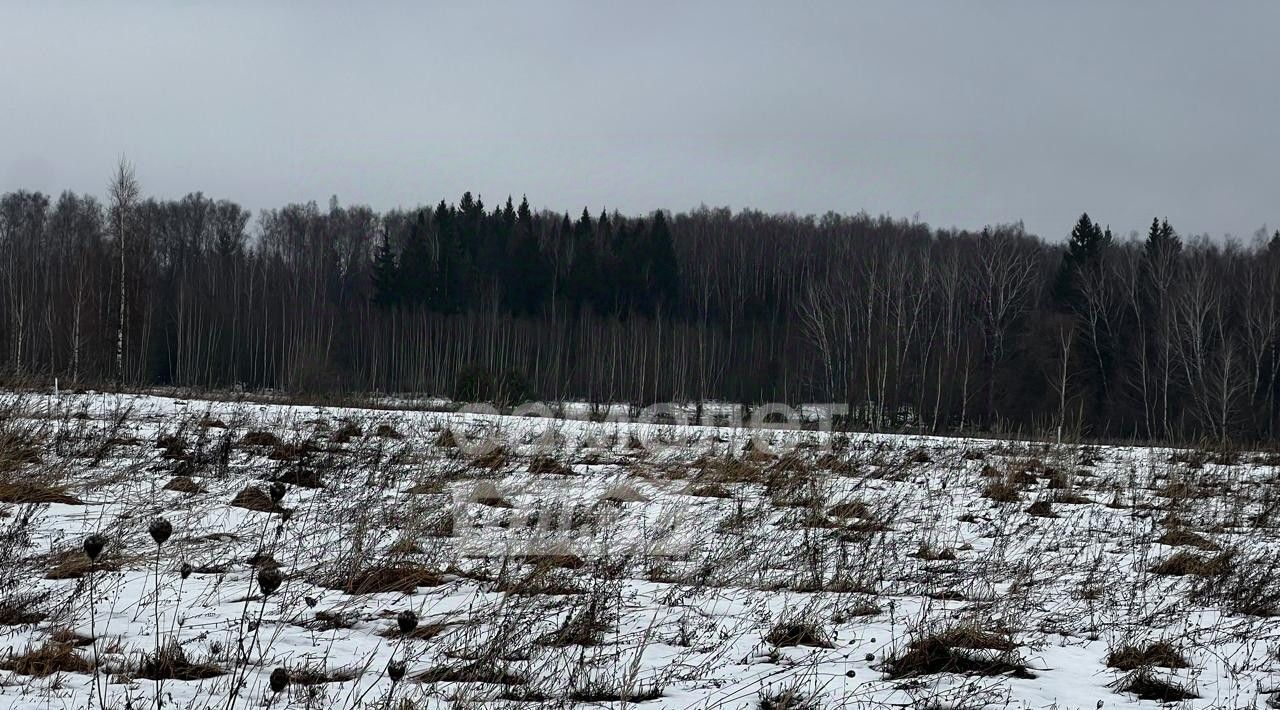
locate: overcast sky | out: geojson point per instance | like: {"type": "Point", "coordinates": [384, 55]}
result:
{"type": "Point", "coordinates": [962, 113]}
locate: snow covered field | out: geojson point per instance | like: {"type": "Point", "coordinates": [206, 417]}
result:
{"type": "Point", "coordinates": [487, 560]}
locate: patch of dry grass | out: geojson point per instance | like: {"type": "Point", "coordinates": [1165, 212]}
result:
{"type": "Point", "coordinates": [1157, 653]}
{"type": "Point", "coordinates": [961, 649]}
{"type": "Point", "coordinates": [48, 658]}
{"type": "Point", "coordinates": [34, 490]}
{"type": "Point", "coordinates": [404, 579]}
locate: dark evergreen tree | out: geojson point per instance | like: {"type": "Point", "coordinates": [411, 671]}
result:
{"type": "Point", "coordinates": [528, 274]}
{"type": "Point", "coordinates": [453, 261]}
{"type": "Point", "coordinates": [1161, 239]}
{"type": "Point", "coordinates": [386, 274]}
{"type": "Point", "coordinates": [664, 275]}
{"type": "Point", "coordinates": [417, 265]}
{"type": "Point", "coordinates": [1084, 250]}
{"type": "Point", "coordinates": [584, 272]}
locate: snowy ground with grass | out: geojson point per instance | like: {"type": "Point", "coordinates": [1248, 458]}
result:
{"type": "Point", "coordinates": [344, 557]}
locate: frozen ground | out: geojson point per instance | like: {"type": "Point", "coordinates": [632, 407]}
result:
{"type": "Point", "coordinates": [562, 563]}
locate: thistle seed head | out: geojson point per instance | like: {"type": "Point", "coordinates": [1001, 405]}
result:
{"type": "Point", "coordinates": [279, 680]}
{"type": "Point", "coordinates": [93, 546]}
{"type": "Point", "coordinates": [407, 620]}
{"type": "Point", "coordinates": [269, 580]}
{"type": "Point", "coordinates": [395, 671]}
{"type": "Point", "coordinates": [160, 530]}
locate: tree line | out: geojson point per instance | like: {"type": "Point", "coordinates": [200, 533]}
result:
{"type": "Point", "coordinates": [1153, 336]}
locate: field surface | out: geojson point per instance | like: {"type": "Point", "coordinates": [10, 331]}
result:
{"type": "Point", "coordinates": [328, 557]}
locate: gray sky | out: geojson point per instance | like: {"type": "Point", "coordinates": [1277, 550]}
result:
{"type": "Point", "coordinates": [963, 113]}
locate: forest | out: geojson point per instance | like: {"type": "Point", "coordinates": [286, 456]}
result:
{"type": "Point", "coordinates": [1154, 336]}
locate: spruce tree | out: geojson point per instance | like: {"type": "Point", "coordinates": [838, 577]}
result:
{"type": "Point", "coordinates": [664, 273]}
{"type": "Point", "coordinates": [417, 268]}
{"type": "Point", "coordinates": [1161, 239]}
{"type": "Point", "coordinates": [386, 274]}
{"type": "Point", "coordinates": [528, 274]}
{"type": "Point", "coordinates": [584, 273]}
{"type": "Point", "coordinates": [453, 262]}
{"type": "Point", "coordinates": [1084, 250]}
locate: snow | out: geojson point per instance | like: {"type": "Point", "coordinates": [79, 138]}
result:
{"type": "Point", "coordinates": [687, 587]}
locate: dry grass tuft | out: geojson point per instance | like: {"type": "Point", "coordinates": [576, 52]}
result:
{"type": "Point", "coordinates": [542, 580]}
{"type": "Point", "coordinates": [1041, 509]}
{"type": "Point", "coordinates": [1181, 490]}
{"type": "Point", "coordinates": [961, 649]}
{"type": "Point", "coordinates": [585, 627]}
{"type": "Point", "coordinates": [623, 493]}
{"type": "Point", "coordinates": [49, 658]}
{"type": "Point", "coordinates": [1183, 563]}
{"type": "Point", "coordinates": [17, 450]}
{"type": "Point", "coordinates": [485, 493]}
{"type": "Point", "coordinates": [798, 632]}
{"type": "Point", "coordinates": [603, 690]}
{"type": "Point", "coordinates": [709, 490]}
{"type": "Point", "coordinates": [478, 672]}
{"type": "Point", "coordinates": [1146, 685]}
{"type": "Point", "coordinates": [494, 459]}
{"type": "Point", "coordinates": [404, 579]}
{"type": "Point", "coordinates": [1002, 492]}
{"type": "Point", "coordinates": [789, 698]}
{"type": "Point", "coordinates": [548, 466]}
{"type": "Point", "coordinates": [386, 431]}
{"type": "Point", "coordinates": [724, 469]}
{"type": "Point", "coordinates": [446, 439]}
{"type": "Point", "coordinates": [929, 553]}
{"type": "Point", "coordinates": [1157, 653]}
{"type": "Point", "coordinates": [1181, 537]}
{"type": "Point", "coordinates": [254, 498]}
{"type": "Point", "coordinates": [259, 438]}
{"type": "Point", "coordinates": [301, 475]}
{"type": "Point", "coordinates": [30, 490]}
{"type": "Point", "coordinates": [21, 610]}
{"type": "Point", "coordinates": [850, 509]}
{"type": "Point", "coordinates": [345, 433]}
{"type": "Point", "coordinates": [291, 452]}
{"type": "Point", "coordinates": [184, 484]}
{"type": "Point", "coordinates": [172, 663]}
{"type": "Point", "coordinates": [72, 564]}
{"type": "Point", "coordinates": [319, 675]}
